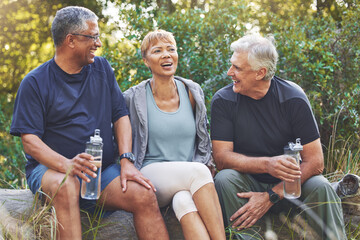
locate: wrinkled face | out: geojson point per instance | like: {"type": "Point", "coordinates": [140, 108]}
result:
{"type": "Point", "coordinates": [86, 46]}
{"type": "Point", "coordinates": [162, 59]}
{"type": "Point", "coordinates": [243, 76]}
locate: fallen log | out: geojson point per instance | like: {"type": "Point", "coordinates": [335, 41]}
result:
{"type": "Point", "coordinates": [348, 189]}
{"type": "Point", "coordinates": [17, 206]}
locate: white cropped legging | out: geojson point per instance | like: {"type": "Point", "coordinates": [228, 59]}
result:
{"type": "Point", "coordinates": [177, 181]}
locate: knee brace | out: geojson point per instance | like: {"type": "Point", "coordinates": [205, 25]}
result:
{"type": "Point", "coordinates": [183, 204]}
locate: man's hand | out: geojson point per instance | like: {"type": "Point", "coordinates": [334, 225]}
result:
{"type": "Point", "coordinates": [258, 204]}
{"type": "Point", "coordinates": [80, 165]}
{"type": "Point", "coordinates": [130, 173]}
{"type": "Point", "coordinates": [284, 167]}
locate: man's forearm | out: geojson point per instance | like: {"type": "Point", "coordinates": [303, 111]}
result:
{"type": "Point", "coordinates": [312, 160]}
{"type": "Point", "coordinates": [226, 158]}
{"type": "Point", "coordinates": [241, 163]}
{"type": "Point", "coordinates": [36, 148]}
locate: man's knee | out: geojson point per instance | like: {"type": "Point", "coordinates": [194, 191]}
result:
{"type": "Point", "coordinates": [225, 177]}
{"type": "Point", "coordinates": [320, 187]}
{"type": "Point", "coordinates": [226, 184]}
{"type": "Point", "coordinates": [141, 196]}
{"type": "Point", "coordinates": [65, 190]}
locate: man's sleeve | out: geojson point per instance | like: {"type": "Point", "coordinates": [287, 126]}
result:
{"type": "Point", "coordinates": [222, 127]}
{"type": "Point", "coordinates": [29, 110]}
{"type": "Point", "coordinates": [302, 120]}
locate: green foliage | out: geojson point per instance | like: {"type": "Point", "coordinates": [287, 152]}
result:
{"type": "Point", "coordinates": [303, 9]}
{"type": "Point", "coordinates": [203, 39]}
{"type": "Point", "coordinates": [324, 60]}
{"type": "Point", "coordinates": [25, 36]}
{"type": "Point", "coordinates": [21, 41]}
{"type": "Point", "coordinates": [12, 160]}
{"type": "Point", "coordinates": [342, 155]}
{"type": "Point", "coordinates": [25, 43]}
{"type": "Point", "coordinates": [317, 51]}
{"type": "Point", "coordinates": [264, 10]}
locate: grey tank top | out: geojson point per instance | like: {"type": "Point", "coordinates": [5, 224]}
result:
{"type": "Point", "coordinates": [171, 134]}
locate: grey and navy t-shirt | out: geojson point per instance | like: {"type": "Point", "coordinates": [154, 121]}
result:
{"type": "Point", "coordinates": [263, 127]}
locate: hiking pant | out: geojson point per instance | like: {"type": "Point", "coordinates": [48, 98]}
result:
{"type": "Point", "coordinates": [322, 204]}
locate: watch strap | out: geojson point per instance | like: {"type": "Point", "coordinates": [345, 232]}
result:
{"type": "Point", "coordinates": [129, 155]}
{"type": "Point", "coordinates": [273, 196]}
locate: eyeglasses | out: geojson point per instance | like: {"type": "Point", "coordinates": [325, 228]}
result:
{"type": "Point", "coordinates": [94, 38]}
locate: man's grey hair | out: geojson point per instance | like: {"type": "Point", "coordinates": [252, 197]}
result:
{"type": "Point", "coordinates": [71, 19]}
{"type": "Point", "coordinates": [261, 52]}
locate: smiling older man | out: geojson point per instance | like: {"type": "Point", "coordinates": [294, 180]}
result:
{"type": "Point", "coordinates": [252, 119]}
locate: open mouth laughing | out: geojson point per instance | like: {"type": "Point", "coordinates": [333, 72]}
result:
{"type": "Point", "coordinates": [167, 64]}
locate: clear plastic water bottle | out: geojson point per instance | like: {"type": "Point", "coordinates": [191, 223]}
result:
{"type": "Point", "coordinates": [293, 189]}
{"type": "Point", "coordinates": [91, 190]}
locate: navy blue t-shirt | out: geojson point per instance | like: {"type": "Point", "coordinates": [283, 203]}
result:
{"type": "Point", "coordinates": [263, 127]}
{"type": "Point", "coordinates": [64, 110]}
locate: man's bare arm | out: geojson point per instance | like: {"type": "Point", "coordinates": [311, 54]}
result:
{"type": "Point", "coordinates": [282, 167]}
{"type": "Point", "coordinates": [79, 165]}
{"type": "Point", "coordinates": [312, 160]}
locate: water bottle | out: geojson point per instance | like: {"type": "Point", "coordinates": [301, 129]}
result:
{"type": "Point", "coordinates": [293, 189]}
{"type": "Point", "coordinates": [91, 190]}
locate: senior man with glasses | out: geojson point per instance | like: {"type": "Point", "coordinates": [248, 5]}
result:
{"type": "Point", "coordinates": [94, 38]}
{"type": "Point", "coordinates": [58, 107]}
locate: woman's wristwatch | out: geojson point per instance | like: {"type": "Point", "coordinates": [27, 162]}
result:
{"type": "Point", "coordinates": [130, 156]}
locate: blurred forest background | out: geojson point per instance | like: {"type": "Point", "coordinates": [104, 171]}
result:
{"type": "Point", "coordinates": [318, 43]}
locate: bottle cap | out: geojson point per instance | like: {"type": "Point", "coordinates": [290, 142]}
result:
{"type": "Point", "coordinates": [96, 138]}
{"type": "Point", "coordinates": [297, 147]}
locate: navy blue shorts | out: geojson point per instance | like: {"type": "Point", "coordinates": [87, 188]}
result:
{"type": "Point", "coordinates": [107, 175]}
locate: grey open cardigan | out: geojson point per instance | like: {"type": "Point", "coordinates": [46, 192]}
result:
{"type": "Point", "coordinates": [136, 102]}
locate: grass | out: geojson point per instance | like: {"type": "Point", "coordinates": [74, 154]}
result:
{"type": "Point", "coordinates": [43, 219]}
{"type": "Point", "coordinates": [42, 223]}
{"type": "Point", "coordinates": [353, 231]}
{"type": "Point", "coordinates": [277, 227]}
{"type": "Point", "coordinates": [342, 156]}
{"type": "Point", "coordinates": [94, 222]}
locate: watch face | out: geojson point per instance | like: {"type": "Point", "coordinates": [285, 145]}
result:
{"type": "Point", "coordinates": [274, 198]}
{"type": "Point", "coordinates": [129, 156]}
